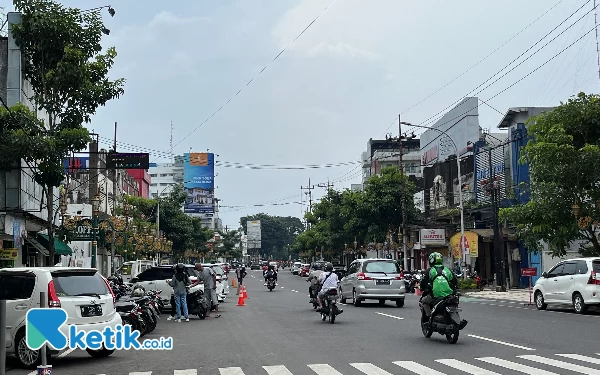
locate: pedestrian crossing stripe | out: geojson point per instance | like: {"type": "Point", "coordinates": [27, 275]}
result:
{"type": "Point", "coordinates": [496, 366]}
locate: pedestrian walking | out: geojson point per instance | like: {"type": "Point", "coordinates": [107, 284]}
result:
{"type": "Point", "coordinates": [209, 278]}
{"type": "Point", "coordinates": [181, 281]}
{"type": "Point", "coordinates": [240, 274]}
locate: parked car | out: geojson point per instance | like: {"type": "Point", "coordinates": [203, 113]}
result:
{"type": "Point", "coordinates": [75, 290]}
{"type": "Point", "coordinates": [305, 270]}
{"type": "Point", "coordinates": [373, 279]}
{"type": "Point", "coordinates": [575, 282]}
{"type": "Point", "coordinates": [158, 278]}
{"type": "Point", "coordinates": [295, 268]}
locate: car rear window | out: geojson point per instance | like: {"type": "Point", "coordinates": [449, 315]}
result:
{"type": "Point", "coordinates": [79, 283]}
{"type": "Point", "coordinates": [381, 267]}
{"type": "Point", "coordinates": [14, 287]}
{"type": "Point", "coordinates": [596, 266]}
{"type": "Point", "coordinates": [218, 270]}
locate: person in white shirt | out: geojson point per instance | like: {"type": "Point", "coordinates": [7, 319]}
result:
{"type": "Point", "coordinates": [328, 281]}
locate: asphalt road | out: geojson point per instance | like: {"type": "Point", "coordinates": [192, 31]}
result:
{"type": "Point", "coordinates": [280, 328]}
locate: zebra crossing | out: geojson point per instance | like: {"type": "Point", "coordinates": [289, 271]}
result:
{"type": "Point", "coordinates": [558, 364]}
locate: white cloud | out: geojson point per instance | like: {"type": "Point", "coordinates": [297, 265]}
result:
{"type": "Point", "coordinates": [341, 49]}
{"type": "Point", "coordinates": [166, 18]}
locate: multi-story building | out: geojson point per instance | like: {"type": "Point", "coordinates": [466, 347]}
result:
{"type": "Point", "coordinates": [385, 153]}
{"type": "Point", "coordinates": [143, 180]}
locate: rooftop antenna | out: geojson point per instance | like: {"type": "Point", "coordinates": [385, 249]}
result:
{"type": "Point", "coordinates": [171, 142]}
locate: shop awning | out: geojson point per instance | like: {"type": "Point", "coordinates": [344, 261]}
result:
{"type": "Point", "coordinates": [36, 245]}
{"type": "Point", "coordinates": [60, 248]}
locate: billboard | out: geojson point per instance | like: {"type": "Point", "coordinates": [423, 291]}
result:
{"type": "Point", "coordinates": [76, 164]}
{"type": "Point", "coordinates": [254, 234]}
{"type": "Point", "coordinates": [198, 182]}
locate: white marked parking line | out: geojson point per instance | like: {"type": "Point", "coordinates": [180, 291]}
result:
{"type": "Point", "coordinates": [231, 371]}
{"type": "Point", "coordinates": [324, 370]}
{"type": "Point", "coordinates": [500, 342]}
{"type": "Point", "coordinates": [390, 316]}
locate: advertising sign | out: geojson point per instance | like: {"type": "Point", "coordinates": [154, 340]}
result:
{"type": "Point", "coordinates": [17, 233]}
{"type": "Point", "coordinates": [137, 160]}
{"type": "Point", "coordinates": [198, 182]}
{"type": "Point", "coordinates": [9, 254]}
{"type": "Point", "coordinates": [528, 272]}
{"type": "Point", "coordinates": [76, 164]}
{"type": "Point", "coordinates": [433, 237]}
{"type": "Point", "coordinates": [254, 234]}
{"type": "Point", "coordinates": [470, 245]}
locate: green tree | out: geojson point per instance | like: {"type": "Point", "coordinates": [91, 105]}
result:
{"type": "Point", "coordinates": [277, 232]}
{"type": "Point", "coordinates": [229, 244]}
{"type": "Point", "coordinates": [564, 167]}
{"type": "Point", "coordinates": [62, 60]}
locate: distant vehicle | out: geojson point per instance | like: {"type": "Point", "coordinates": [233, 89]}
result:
{"type": "Point", "coordinates": [255, 266]}
{"type": "Point", "coordinates": [295, 269]}
{"type": "Point", "coordinates": [131, 269]}
{"type": "Point", "coordinates": [305, 270]}
{"type": "Point", "coordinates": [373, 279]}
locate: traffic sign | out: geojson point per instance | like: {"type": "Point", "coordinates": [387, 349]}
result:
{"type": "Point", "coordinates": [528, 272]}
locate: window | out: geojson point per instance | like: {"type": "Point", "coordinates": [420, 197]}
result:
{"type": "Point", "coordinates": [582, 267]}
{"type": "Point", "coordinates": [13, 287]}
{"type": "Point", "coordinates": [569, 269]}
{"type": "Point", "coordinates": [153, 175]}
{"type": "Point", "coordinates": [150, 275]}
{"type": "Point", "coordinates": [192, 272]}
{"type": "Point", "coordinates": [79, 283]}
{"type": "Point", "coordinates": [381, 267]}
{"type": "Point", "coordinates": [218, 270]}
{"type": "Point", "coordinates": [167, 273]}
{"type": "Point", "coordinates": [163, 175]}
{"type": "Point", "coordinates": [556, 271]}
{"type": "Point", "coordinates": [153, 184]}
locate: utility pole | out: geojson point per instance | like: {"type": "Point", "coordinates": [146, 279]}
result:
{"type": "Point", "coordinates": [328, 185]}
{"type": "Point", "coordinates": [401, 168]}
{"type": "Point", "coordinates": [309, 189]}
{"type": "Point", "coordinates": [114, 209]}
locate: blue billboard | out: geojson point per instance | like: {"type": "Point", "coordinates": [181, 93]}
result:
{"type": "Point", "coordinates": [199, 182]}
{"type": "Point", "coordinates": [76, 164]}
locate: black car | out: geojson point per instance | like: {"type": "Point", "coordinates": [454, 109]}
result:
{"type": "Point", "coordinates": [255, 266]}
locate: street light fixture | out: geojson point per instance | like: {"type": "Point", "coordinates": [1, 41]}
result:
{"type": "Point", "coordinates": [460, 195]}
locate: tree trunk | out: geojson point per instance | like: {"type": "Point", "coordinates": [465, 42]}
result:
{"type": "Point", "coordinates": [50, 200]}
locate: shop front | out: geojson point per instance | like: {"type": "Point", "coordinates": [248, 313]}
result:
{"type": "Point", "coordinates": [478, 248]}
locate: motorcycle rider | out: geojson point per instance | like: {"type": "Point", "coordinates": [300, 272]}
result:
{"type": "Point", "coordinates": [313, 278]}
{"type": "Point", "coordinates": [271, 272]}
{"type": "Point", "coordinates": [437, 283]}
{"type": "Point", "coordinates": [328, 281]}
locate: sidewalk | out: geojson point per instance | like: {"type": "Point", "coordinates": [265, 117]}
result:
{"type": "Point", "coordinates": [519, 295]}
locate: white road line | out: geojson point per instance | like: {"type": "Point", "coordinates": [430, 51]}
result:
{"type": "Point", "coordinates": [581, 358]}
{"type": "Point", "coordinates": [561, 364]}
{"type": "Point", "coordinates": [141, 373]}
{"type": "Point", "coordinates": [324, 370]}
{"type": "Point", "coordinates": [186, 372]}
{"type": "Point", "coordinates": [468, 368]}
{"type": "Point", "coordinates": [231, 371]}
{"type": "Point", "coordinates": [501, 342]}
{"type": "Point", "coordinates": [66, 353]}
{"type": "Point", "coordinates": [277, 370]}
{"type": "Point", "coordinates": [390, 316]}
{"type": "Point", "coordinates": [515, 366]}
{"type": "Point", "coordinates": [417, 368]}
{"type": "Point", "coordinates": [295, 291]}
{"type": "Point", "coordinates": [282, 287]}
{"type": "Point", "coordinates": [369, 369]}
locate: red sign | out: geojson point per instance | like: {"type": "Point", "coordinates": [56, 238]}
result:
{"type": "Point", "coordinates": [430, 155]}
{"type": "Point", "coordinates": [528, 271]}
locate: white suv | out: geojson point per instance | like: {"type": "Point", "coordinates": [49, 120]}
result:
{"type": "Point", "coordinates": [70, 288]}
{"type": "Point", "coordinates": [575, 282]}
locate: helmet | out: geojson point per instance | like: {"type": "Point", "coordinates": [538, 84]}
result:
{"type": "Point", "coordinates": [179, 268]}
{"type": "Point", "coordinates": [329, 267]}
{"type": "Point", "coordinates": [138, 291]}
{"type": "Point", "coordinates": [435, 259]}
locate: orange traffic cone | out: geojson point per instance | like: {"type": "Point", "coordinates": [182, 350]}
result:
{"type": "Point", "coordinates": [241, 301]}
{"type": "Point", "coordinates": [233, 283]}
{"type": "Point", "coordinates": [244, 295]}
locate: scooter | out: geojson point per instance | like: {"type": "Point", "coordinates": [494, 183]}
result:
{"type": "Point", "coordinates": [330, 309]}
{"type": "Point", "coordinates": [271, 283]}
{"type": "Point", "coordinates": [444, 319]}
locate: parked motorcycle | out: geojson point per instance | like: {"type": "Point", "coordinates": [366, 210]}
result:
{"type": "Point", "coordinates": [197, 304]}
{"type": "Point", "coordinates": [444, 319]}
{"type": "Point", "coordinates": [330, 309]}
{"type": "Point", "coordinates": [481, 283]}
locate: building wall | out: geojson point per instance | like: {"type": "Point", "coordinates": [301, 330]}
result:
{"type": "Point", "coordinates": [144, 180]}
{"type": "Point", "coordinates": [163, 177]}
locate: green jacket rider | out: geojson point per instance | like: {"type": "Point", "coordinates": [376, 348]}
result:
{"type": "Point", "coordinates": [438, 282]}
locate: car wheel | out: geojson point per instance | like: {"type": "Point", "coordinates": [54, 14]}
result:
{"type": "Point", "coordinates": [100, 353]}
{"type": "Point", "coordinates": [399, 303]}
{"type": "Point", "coordinates": [539, 301]}
{"type": "Point", "coordinates": [29, 359]}
{"type": "Point", "coordinates": [355, 300]}
{"type": "Point", "coordinates": [342, 298]}
{"type": "Point", "coordinates": [579, 304]}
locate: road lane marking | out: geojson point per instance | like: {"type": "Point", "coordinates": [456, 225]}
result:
{"type": "Point", "coordinates": [515, 366]}
{"type": "Point", "coordinates": [282, 287]}
{"type": "Point", "coordinates": [65, 353]}
{"type": "Point", "coordinates": [277, 370]}
{"type": "Point", "coordinates": [295, 291]}
{"type": "Point", "coordinates": [231, 371]}
{"type": "Point", "coordinates": [389, 316]}
{"type": "Point", "coordinates": [369, 369]}
{"type": "Point", "coordinates": [324, 370]}
{"type": "Point", "coordinates": [581, 358]}
{"type": "Point", "coordinates": [560, 364]}
{"type": "Point", "coordinates": [468, 368]}
{"type": "Point", "coordinates": [185, 372]}
{"type": "Point", "coordinates": [417, 368]}
{"type": "Point", "coordinates": [141, 373]}
{"type": "Point", "coordinates": [500, 342]}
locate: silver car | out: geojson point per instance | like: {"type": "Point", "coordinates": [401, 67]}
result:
{"type": "Point", "coordinates": [373, 279]}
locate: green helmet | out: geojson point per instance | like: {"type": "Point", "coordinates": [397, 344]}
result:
{"type": "Point", "coordinates": [435, 259]}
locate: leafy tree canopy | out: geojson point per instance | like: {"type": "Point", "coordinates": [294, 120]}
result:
{"type": "Point", "coordinates": [564, 166]}
{"type": "Point", "coordinates": [277, 232]}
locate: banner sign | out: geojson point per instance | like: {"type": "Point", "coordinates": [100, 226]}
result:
{"type": "Point", "coordinates": [198, 182]}
{"type": "Point", "coordinates": [254, 234]}
{"type": "Point", "coordinates": [9, 254]}
{"type": "Point", "coordinates": [470, 245]}
{"type": "Point", "coordinates": [433, 237]}
{"type": "Point", "coordinates": [76, 164]}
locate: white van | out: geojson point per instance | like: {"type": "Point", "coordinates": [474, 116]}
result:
{"type": "Point", "coordinates": [129, 270]}
{"type": "Point", "coordinates": [295, 269]}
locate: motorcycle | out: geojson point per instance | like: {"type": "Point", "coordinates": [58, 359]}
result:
{"type": "Point", "coordinates": [444, 319]}
{"type": "Point", "coordinates": [271, 283]}
{"type": "Point", "coordinates": [479, 282]}
{"type": "Point", "coordinates": [330, 309]}
{"type": "Point", "coordinates": [196, 303]}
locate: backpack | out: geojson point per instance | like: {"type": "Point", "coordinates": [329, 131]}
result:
{"type": "Point", "coordinates": [440, 282]}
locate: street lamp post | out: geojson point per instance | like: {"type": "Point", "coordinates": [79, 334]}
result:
{"type": "Point", "coordinates": [95, 209]}
{"type": "Point", "coordinates": [460, 196]}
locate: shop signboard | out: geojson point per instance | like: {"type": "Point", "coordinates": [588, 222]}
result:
{"type": "Point", "coordinates": [470, 245]}
{"type": "Point", "coordinates": [9, 254]}
{"type": "Point", "coordinates": [433, 237]}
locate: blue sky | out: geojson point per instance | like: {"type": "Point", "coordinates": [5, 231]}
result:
{"type": "Point", "coordinates": [343, 82]}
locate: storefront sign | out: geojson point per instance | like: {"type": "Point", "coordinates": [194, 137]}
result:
{"type": "Point", "coordinates": [435, 237]}
{"type": "Point", "coordinates": [470, 245]}
{"type": "Point", "coordinates": [430, 155]}
{"type": "Point", "coordinates": [9, 254]}
{"type": "Point", "coordinates": [83, 233]}
{"type": "Point", "coordinates": [528, 272]}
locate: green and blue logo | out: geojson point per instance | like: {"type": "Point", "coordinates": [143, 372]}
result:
{"type": "Point", "coordinates": [45, 326]}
